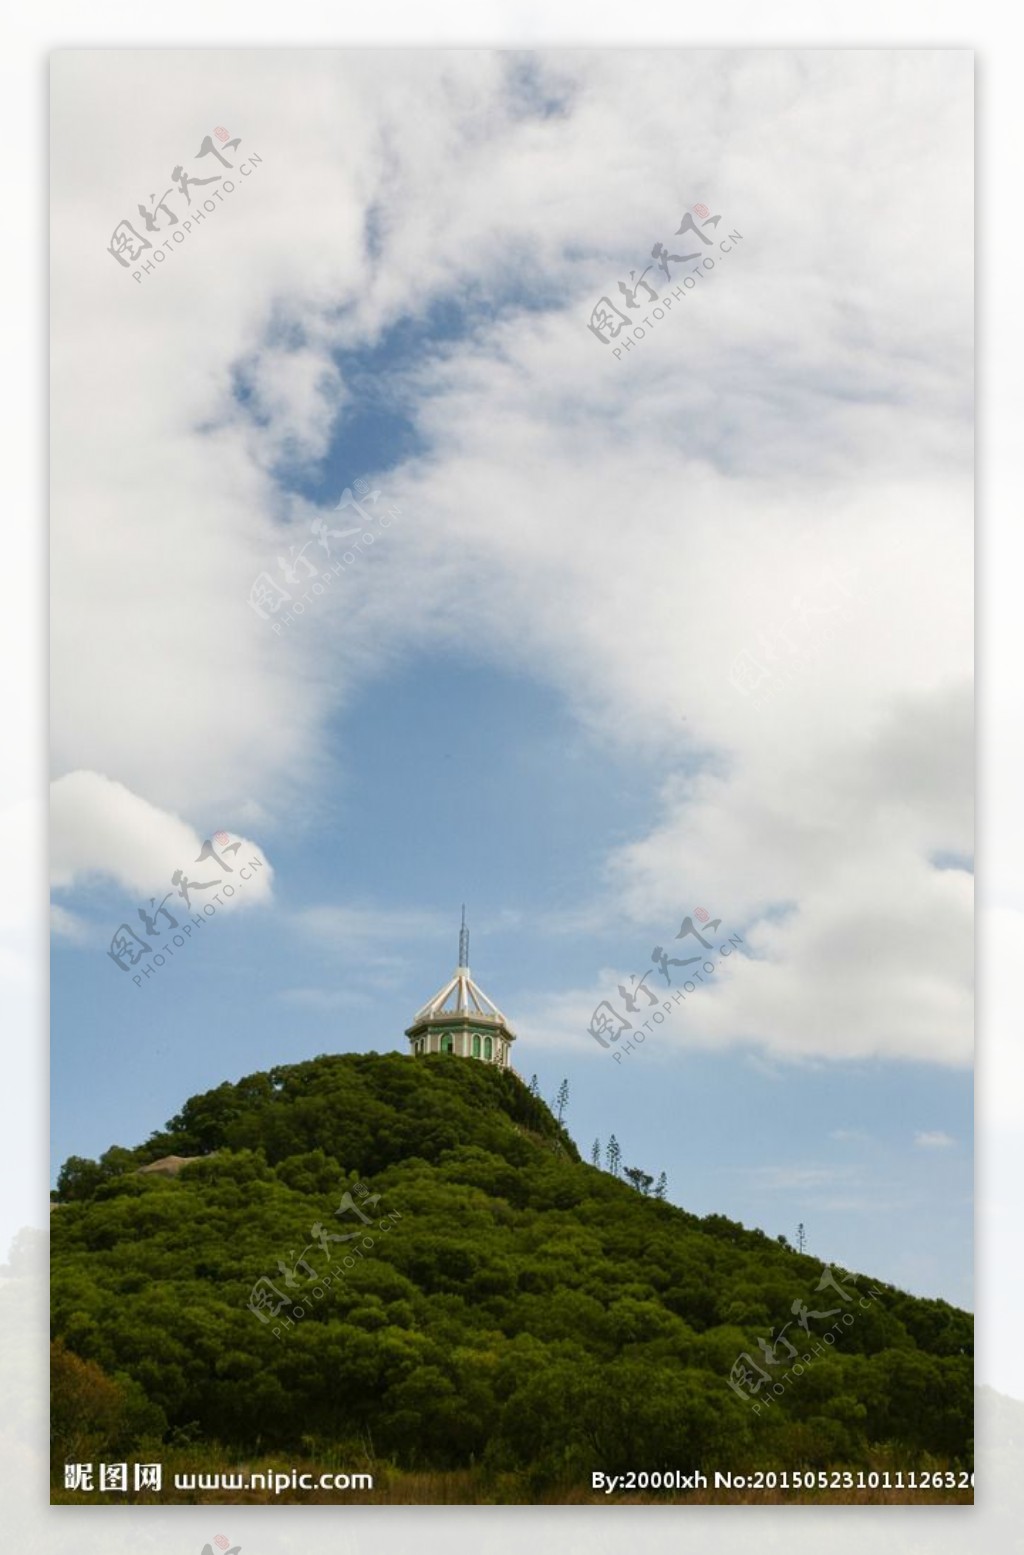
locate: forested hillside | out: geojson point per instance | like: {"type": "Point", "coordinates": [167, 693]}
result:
{"type": "Point", "coordinates": [516, 1310]}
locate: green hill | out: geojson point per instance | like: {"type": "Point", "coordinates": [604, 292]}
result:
{"type": "Point", "coordinates": [500, 1304]}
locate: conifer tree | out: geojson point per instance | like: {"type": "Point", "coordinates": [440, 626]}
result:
{"type": "Point", "coordinates": [661, 1186]}
{"type": "Point", "coordinates": [613, 1156]}
{"type": "Point", "coordinates": [641, 1181]}
{"type": "Point", "coordinates": [595, 1152]}
{"type": "Point", "coordinates": [562, 1100]}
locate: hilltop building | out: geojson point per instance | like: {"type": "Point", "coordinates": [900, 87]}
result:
{"type": "Point", "coordinates": [461, 1019]}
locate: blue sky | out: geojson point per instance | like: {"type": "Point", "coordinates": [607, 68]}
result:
{"type": "Point", "coordinates": [457, 782]}
{"type": "Point", "coordinates": [532, 693]}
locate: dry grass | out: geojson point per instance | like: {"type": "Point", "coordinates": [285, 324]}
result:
{"type": "Point", "coordinates": [462, 1487]}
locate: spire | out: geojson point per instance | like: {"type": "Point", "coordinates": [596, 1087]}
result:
{"type": "Point", "coordinates": [460, 1018]}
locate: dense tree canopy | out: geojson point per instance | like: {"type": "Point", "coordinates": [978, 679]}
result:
{"type": "Point", "coordinates": [516, 1308]}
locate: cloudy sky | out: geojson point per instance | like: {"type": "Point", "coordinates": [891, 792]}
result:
{"type": "Point", "coordinates": [684, 627]}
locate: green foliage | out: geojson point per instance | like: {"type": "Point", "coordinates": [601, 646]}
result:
{"type": "Point", "coordinates": [92, 1414]}
{"type": "Point", "coordinates": [520, 1311]}
{"type": "Point", "coordinates": [638, 1179]}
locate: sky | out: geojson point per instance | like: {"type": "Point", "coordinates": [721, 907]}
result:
{"type": "Point", "coordinates": [687, 628]}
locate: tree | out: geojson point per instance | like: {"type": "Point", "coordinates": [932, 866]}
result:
{"type": "Point", "coordinates": [661, 1186]}
{"type": "Point", "coordinates": [159, 1284]}
{"type": "Point", "coordinates": [92, 1413]}
{"type": "Point", "coordinates": [641, 1181]}
{"type": "Point", "coordinates": [534, 1086]}
{"type": "Point", "coordinates": [562, 1100]}
{"type": "Point", "coordinates": [85, 1405]}
{"type": "Point", "coordinates": [595, 1152]}
{"type": "Point", "coordinates": [801, 1238]}
{"type": "Point", "coordinates": [79, 1178]}
{"type": "Point", "coordinates": [28, 1255]}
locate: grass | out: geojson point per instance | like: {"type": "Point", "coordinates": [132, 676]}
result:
{"type": "Point", "coordinates": [463, 1487]}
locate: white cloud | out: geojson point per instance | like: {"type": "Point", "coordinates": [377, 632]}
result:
{"type": "Point", "coordinates": [622, 529]}
{"type": "Point", "coordinates": [851, 972]}
{"type": "Point", "coordinates": [933, 1139]}
{"type": "Point", "coordinates": [98, 827]}
{"type": "Point", "coordinates": [68, 925]}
